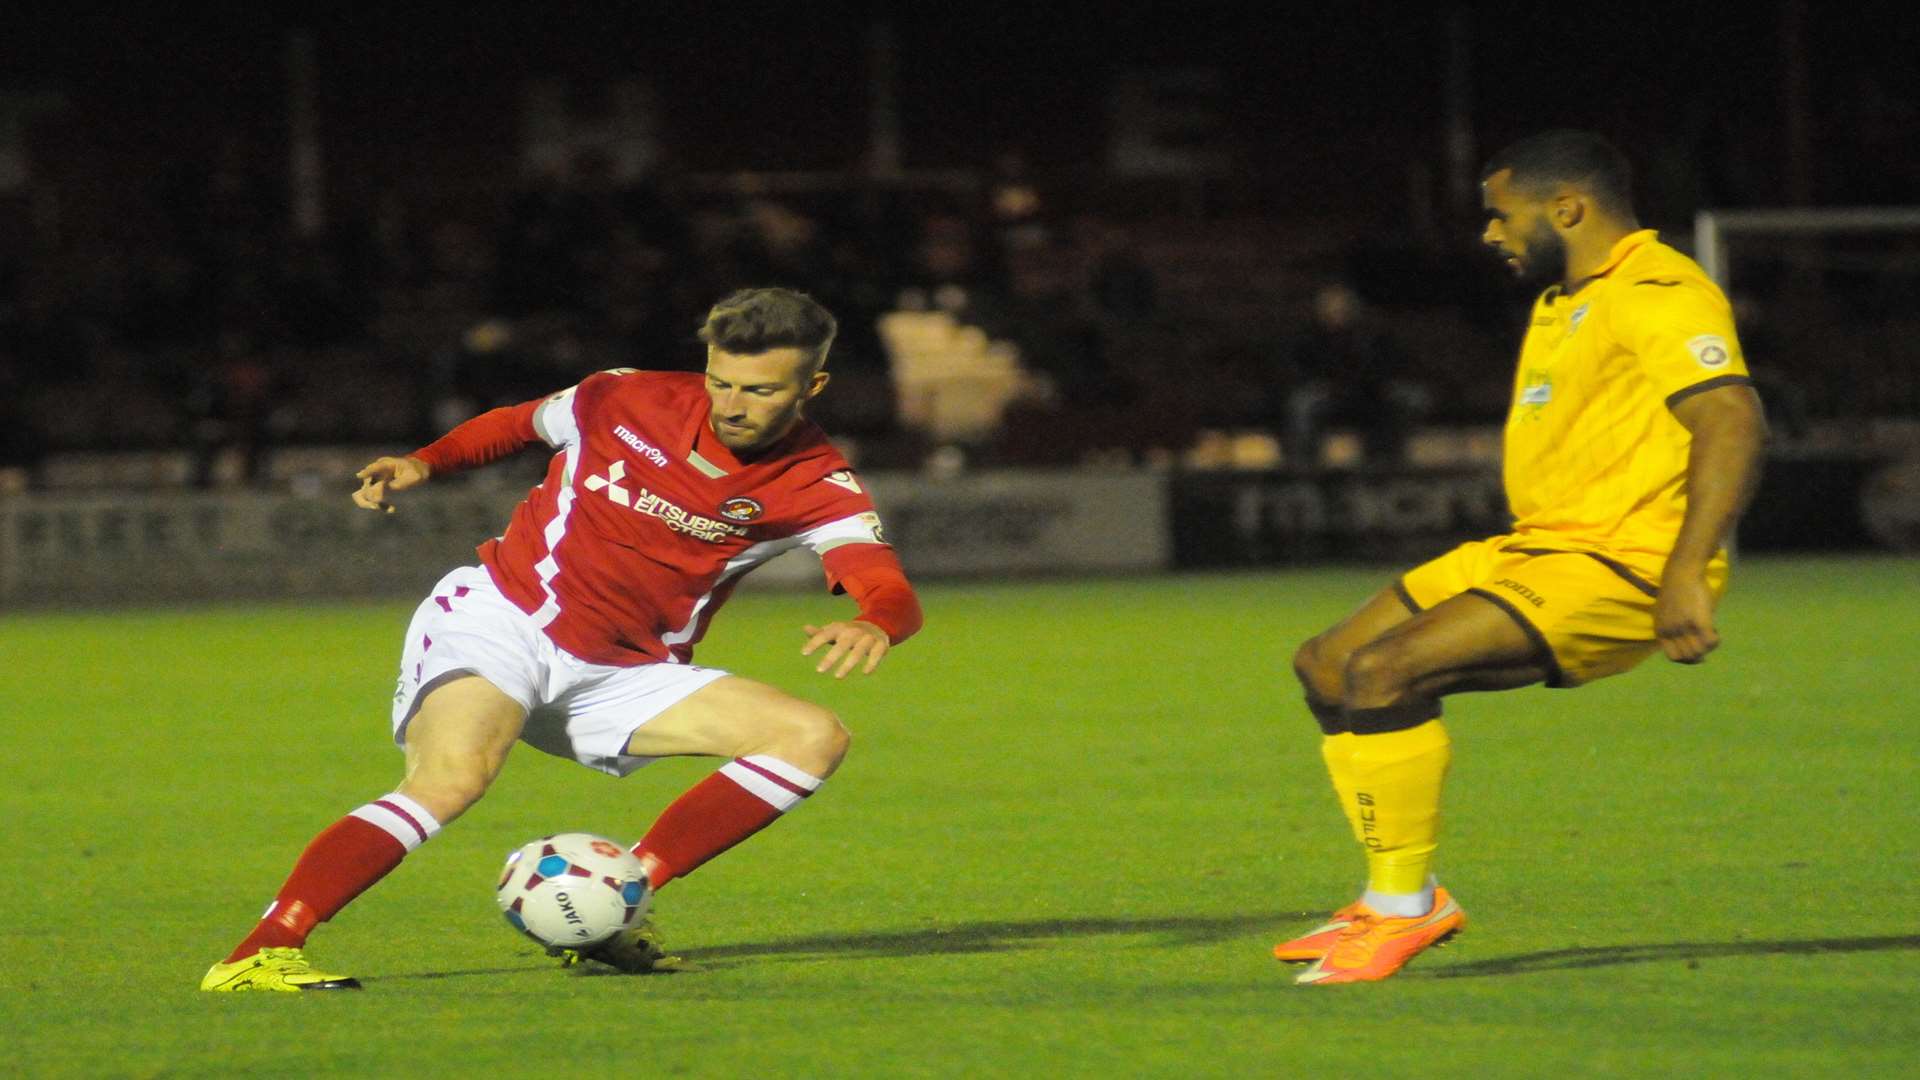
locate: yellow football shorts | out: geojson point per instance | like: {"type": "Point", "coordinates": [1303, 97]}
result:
{"type": "Point", "coordinates": [1592, 614]}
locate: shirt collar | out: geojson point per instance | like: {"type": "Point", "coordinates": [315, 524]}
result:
{"type": "Point", "coordinates": [1622, 248]}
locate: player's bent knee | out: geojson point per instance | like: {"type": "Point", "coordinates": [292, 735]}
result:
{"type": "Point", "coordinates": [809, 736]}
{"type": "Point", "coordinates": [1317, 676]}
{"type": "Point", "coordinates": [1374, 670]}
{"type": "Point", "coordinates": [443, 802]}
{"type": "Point", "coordinates": [449, 788]}
{"type": "Point", "coordinates": [827, 735]}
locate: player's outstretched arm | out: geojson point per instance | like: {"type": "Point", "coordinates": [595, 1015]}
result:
{"type": "Point", "coordinates": [388, 474]}
{"type": "Point", "coordinates": [1729, 431]}
{"type": "Point", "coordinates": [488, 437]}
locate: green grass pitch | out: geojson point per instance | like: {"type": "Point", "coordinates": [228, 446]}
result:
{"type": "Point", "coordinates": [1076, 816]}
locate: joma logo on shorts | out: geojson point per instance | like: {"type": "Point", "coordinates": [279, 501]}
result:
{"type": "Point", "coordinates": [1526, 594]}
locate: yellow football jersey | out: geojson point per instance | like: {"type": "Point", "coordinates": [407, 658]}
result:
{"type": "Point", "coordinates": [1595, 459]}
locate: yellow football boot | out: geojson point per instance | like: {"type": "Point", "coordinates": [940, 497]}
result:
{"type": "Point", "coordinates": [273, 969]}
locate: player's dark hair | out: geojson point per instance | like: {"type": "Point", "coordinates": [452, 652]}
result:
{"type": "Point", "coordinates": [753, 321]}
{"type": "Point", "coordinates": [1564, 156]}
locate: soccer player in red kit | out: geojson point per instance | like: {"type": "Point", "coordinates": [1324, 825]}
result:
{"type": "Point", "coordinates": [576, 632]}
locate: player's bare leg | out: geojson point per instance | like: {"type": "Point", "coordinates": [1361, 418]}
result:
{"type": "Point", "coordinates": [1461, 644]}
{"type": "Point", "coordinates": [456, 743]}
{"type": "Point", "coordinates": [734, 717]}
{"type": "Point", "coordinates": [782, 749]}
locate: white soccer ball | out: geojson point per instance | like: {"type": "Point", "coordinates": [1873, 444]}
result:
{"type": "Point", "coordinates": [573, 890]}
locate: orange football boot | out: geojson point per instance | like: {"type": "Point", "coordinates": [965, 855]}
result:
{"type": "Point", "coordinates": [1375, 946]}
{"type": "Point", "coordinates": [1314, 944]}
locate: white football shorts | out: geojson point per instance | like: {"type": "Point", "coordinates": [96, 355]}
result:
{"type": "Point", "coordinates": [575, 709]}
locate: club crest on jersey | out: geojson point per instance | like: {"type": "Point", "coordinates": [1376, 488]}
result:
{"type": "Point", "coordinates": [741, 508]}
{"type": "Point", "coordinates": [1710, 350]}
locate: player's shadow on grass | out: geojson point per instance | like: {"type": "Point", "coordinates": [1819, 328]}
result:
{"type": "Point", "coordinates": [1692, 951]}
{"type": "Point", "coordinates": [987, 937]}
{"type": "Point", "coordinates": [974, 937]}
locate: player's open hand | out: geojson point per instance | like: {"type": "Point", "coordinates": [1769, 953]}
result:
{"type": "Point", "coordinates": [387, 474]}
{"type": "Point", "coordinates": [852, 641]}
{"type": "Point", "coordinates": [1683, 619]}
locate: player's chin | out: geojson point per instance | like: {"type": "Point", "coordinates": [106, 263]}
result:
{"type": "Point", "coordinates": [738, 438]}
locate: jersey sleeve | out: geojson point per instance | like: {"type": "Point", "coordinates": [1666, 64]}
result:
{"type": "Point", "coordinates": [873, 576]}
{"type": "Point", "coordinates": [486, 438]}
{"type": "Point", "coordinates": [839, 514]}
{"type": "Point", "coordinates": [557, 417]}
{"type": "Point", "coordinates": [833, 509]}
{"type": "Point", "coordinates": [861, 526]}
{"type": "Point", "coordinates": [553, 418]}
{"type": "Point", "coordinates": [1682, 334]}
{"type": "Point", "coordinates": [844, 529]}
{"type": "Point", "coordinates": [494, 434]}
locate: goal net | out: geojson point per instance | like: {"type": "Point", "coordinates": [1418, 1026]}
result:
{"type": "Point", "coordinates": [1827, 302]}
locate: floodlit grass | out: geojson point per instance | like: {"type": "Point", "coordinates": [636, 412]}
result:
{"type": "Point", "coordinates": [1076, 816]}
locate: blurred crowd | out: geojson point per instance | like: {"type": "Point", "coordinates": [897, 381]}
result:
{"type": "Point", "coordinates": [986, 320]}
{"type": "Point", "coordinates": [206, 325]}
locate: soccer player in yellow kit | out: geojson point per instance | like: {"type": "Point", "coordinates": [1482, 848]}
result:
{"type": "Point", "coordinates": [1633, 444]}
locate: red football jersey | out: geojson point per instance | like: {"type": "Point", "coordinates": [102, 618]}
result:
{"type": "Point", "coordinates": [646, 521]}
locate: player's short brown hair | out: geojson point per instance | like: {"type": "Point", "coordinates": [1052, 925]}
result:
{"type": "Point", "coordinates": [1565, 156]}
{"type": "Point", "coordinates": [753, 321]}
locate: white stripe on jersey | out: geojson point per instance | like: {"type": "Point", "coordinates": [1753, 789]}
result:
{"type": "Point", "coordinates": [861, 528]}
{"type": "Point", "coordinates": [739, 564]}
{"type": "Point", "coordinates": [555, 420]}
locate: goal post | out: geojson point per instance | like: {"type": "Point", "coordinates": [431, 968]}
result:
{"type": "Point", "coordinates": [1831, 291]}
{"type": "Point", "coordinates": [1713, 228]}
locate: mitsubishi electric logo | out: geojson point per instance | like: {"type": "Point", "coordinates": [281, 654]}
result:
{"type": "Point", "coordinates": [712, 530]}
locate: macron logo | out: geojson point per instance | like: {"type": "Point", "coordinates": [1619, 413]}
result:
{"type": "Point", "coordinates": [641, 445]}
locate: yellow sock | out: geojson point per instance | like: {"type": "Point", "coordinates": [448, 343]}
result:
{"type": "Point", "coordinates": [1337, 750]}
{"type": "Point", "coordinates": [1395, 802]}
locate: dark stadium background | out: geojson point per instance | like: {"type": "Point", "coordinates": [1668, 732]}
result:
{"type": "Point", "coordinates": [230, 236]}
{"type": "Point", "coordinates": [1086, 799]}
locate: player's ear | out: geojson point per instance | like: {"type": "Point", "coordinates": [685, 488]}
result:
{"type": "Point", "coordinates": [816, 383]}
{"type": "Point", "coordinates": [1569, 208]}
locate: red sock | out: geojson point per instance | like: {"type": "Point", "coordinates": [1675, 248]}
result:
{"type": "Point", "coordinates": [340, 864]}
{"type": "Point", "coordinates": [745, 796]}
